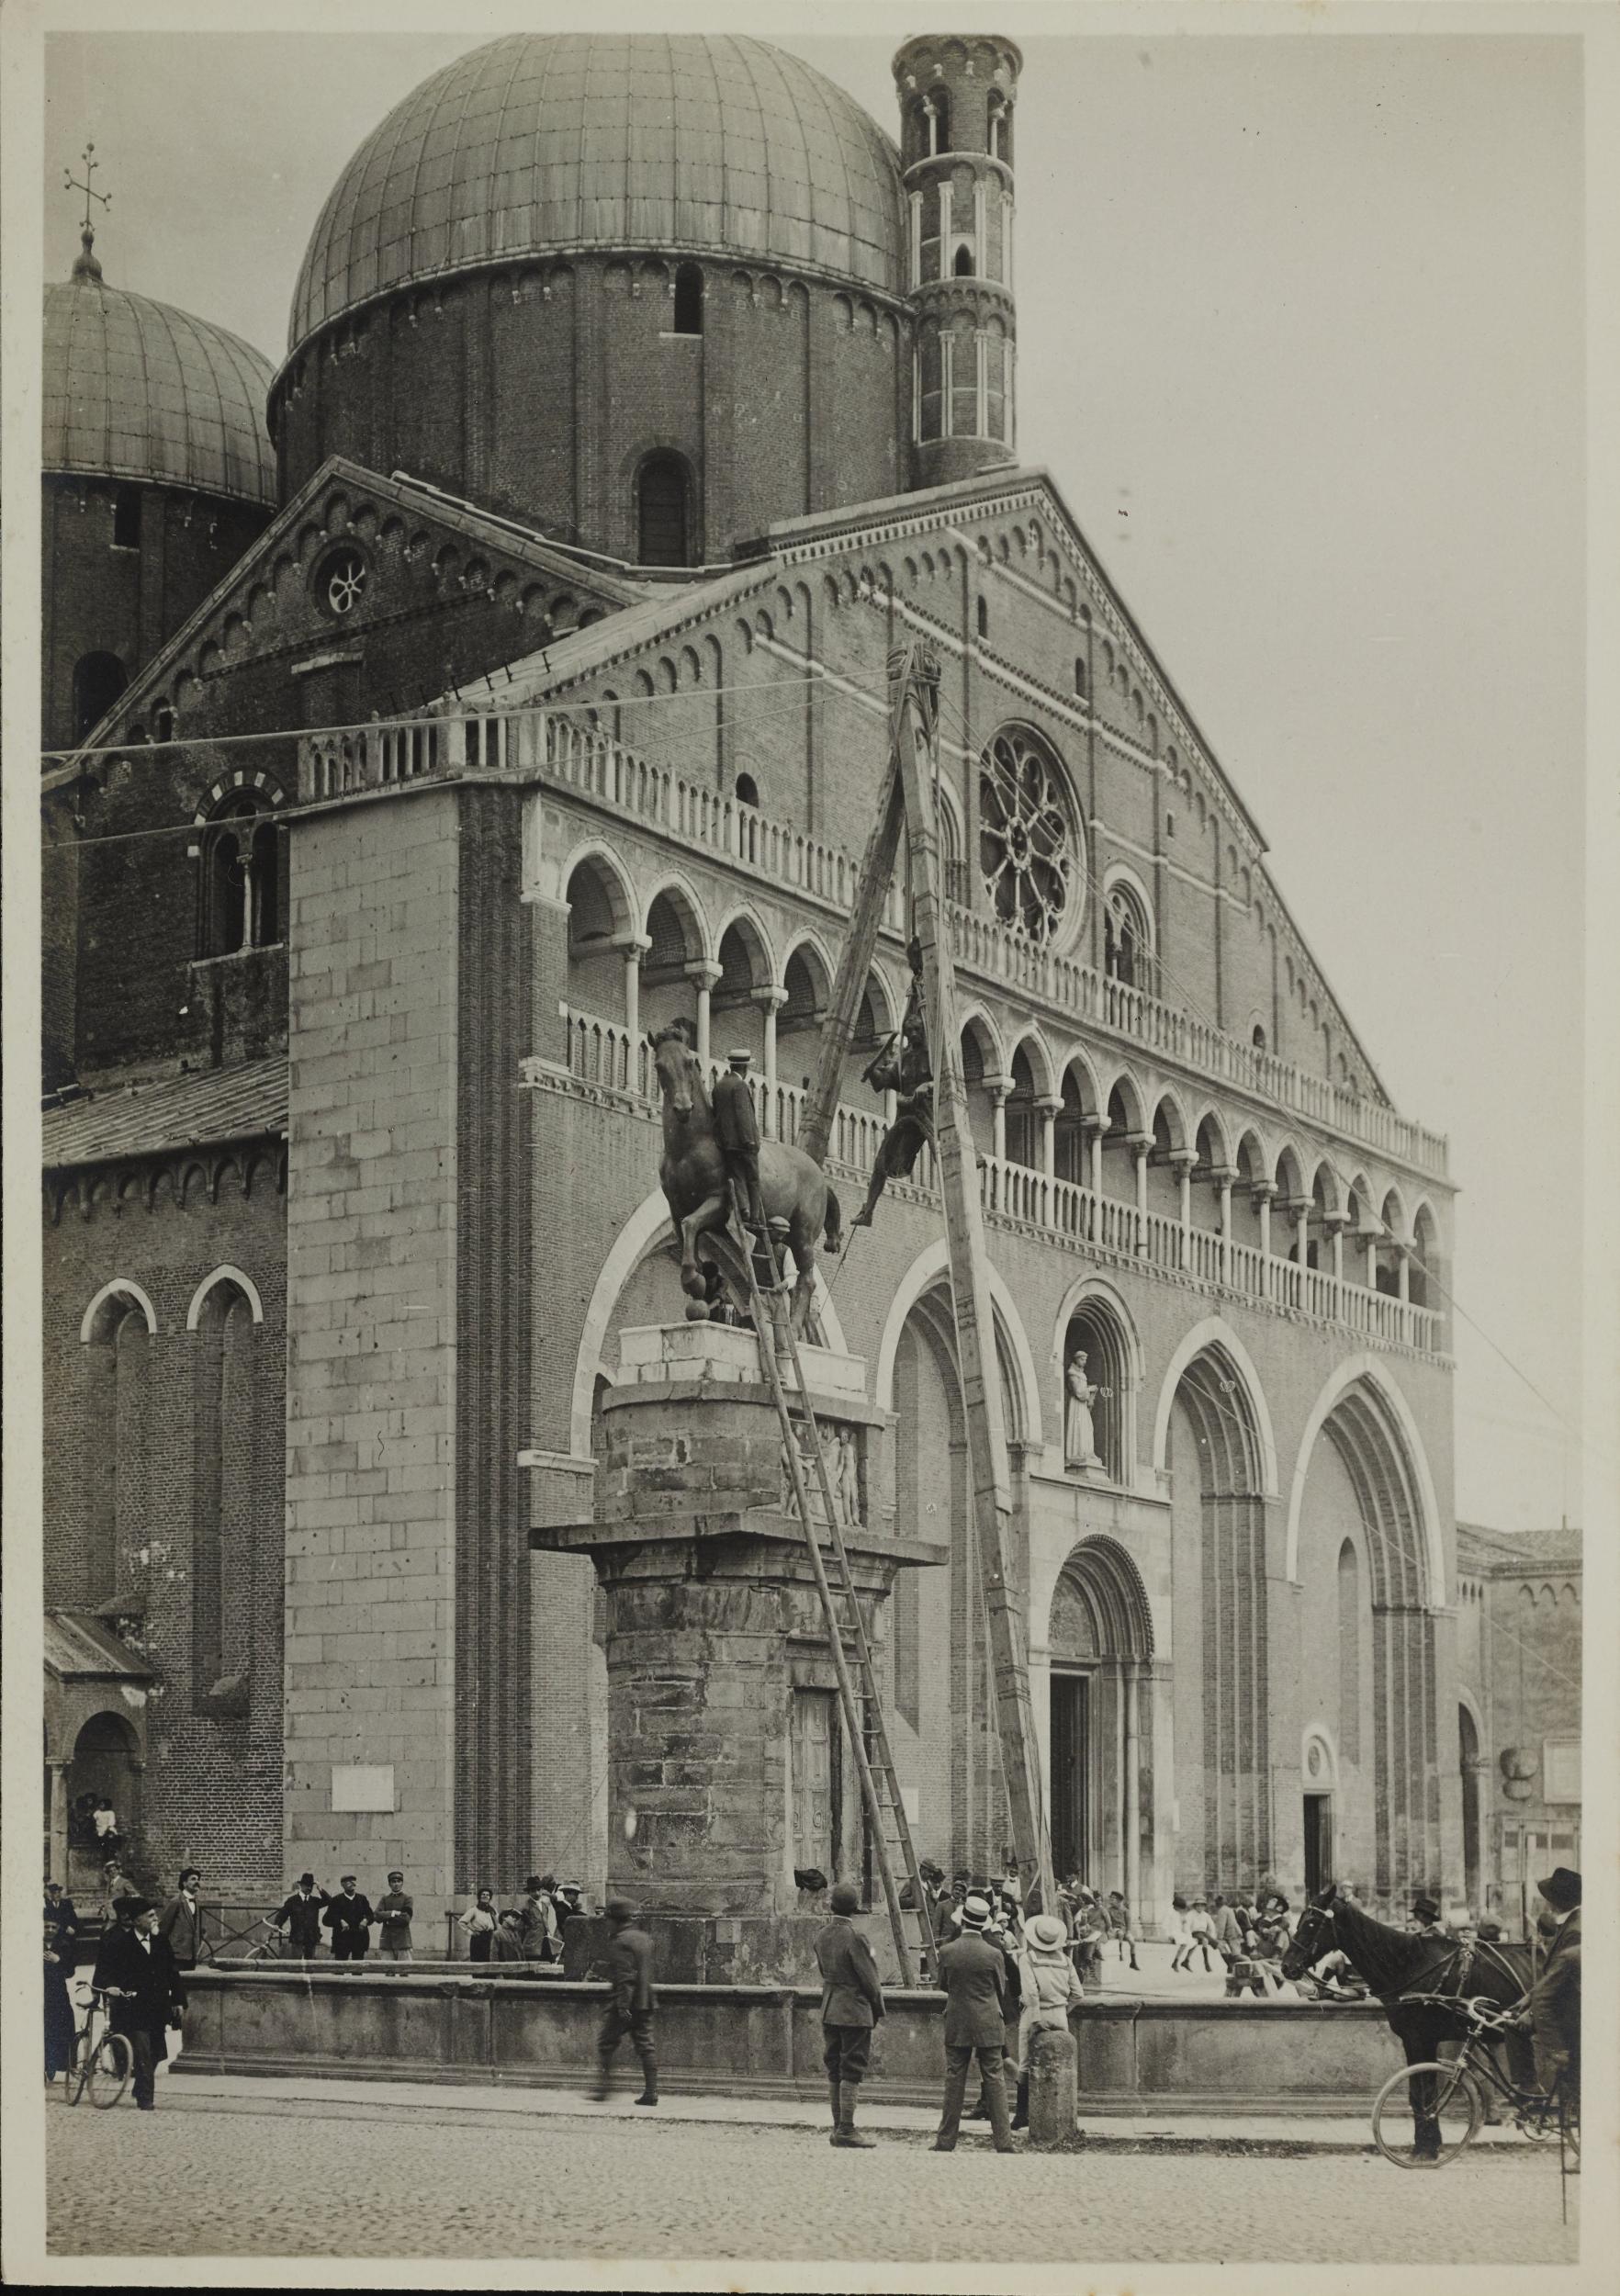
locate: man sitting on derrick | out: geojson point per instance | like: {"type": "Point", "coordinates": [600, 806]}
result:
{"type": "Point", "coordinates": [907, 1073]}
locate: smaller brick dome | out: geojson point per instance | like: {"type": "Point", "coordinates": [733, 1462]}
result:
{"type": "Point", "coordinates": [137, 390]}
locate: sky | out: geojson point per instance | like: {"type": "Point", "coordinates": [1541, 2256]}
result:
{"type": "Point", "coordinates": [1301, 340]}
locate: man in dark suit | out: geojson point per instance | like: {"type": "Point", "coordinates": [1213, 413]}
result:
{"type": "Point", "coordinates": [348, 1918]}
{"type": "Point", "coordinates": [136, 1970]}
{"type": "Point", "coordinates": [851, 2005]}
{"type": "Point", "coordinates": [62, 1921]}
{"type": "Point", "coordinates": [300, 1915]}
{"type": "Point", "coordinates": [973, 1974]}
{"type": "Point", "coordinates": [629, 1961]}
{"type": "Point", "coordinates": [1552, 2006]}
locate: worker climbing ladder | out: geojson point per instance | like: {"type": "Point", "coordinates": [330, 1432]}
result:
{"type": "Point", "coordinates": [858, 1694]}
{"type": "Point", "coordinates": [910, 802]}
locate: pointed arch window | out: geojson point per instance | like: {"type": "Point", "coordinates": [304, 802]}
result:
{"type": "Point", "coordinates": [98, 679]}
{"type": "Point", "coordinates": [223, 1484]}
{"type": "Point", "coordinates": [1127, 937]}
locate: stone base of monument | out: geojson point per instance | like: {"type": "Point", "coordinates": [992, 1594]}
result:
{"type": "Point", "coordinates": [717, 1649]}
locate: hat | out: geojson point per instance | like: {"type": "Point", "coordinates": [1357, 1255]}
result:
{"type": "Point", "coordinates": [533, 1883]}
{"type": "Point", "coordinates": [619, 1909]}
{"type": "Point", "coordinates": [1426, 1908]}
{"type": "Point", "coordinates": [846, 1898]}
{"type": "Point", "coordinates": [567, 1889]}
{"type": "Point", "coordinates": [1561, 1889]}
{"type": "Point", "coordinates": [975, 1912]}
{"type": "Point", "coordinates": [306, 1881]}
{"type": "Point", "coordinates": [395, 1873]}
{"type": "Point", "coordinates": [343, 1880]}
{"type": "Point", "coordinates": [930, 1872]}
{"type": "Point", "coordinates": [1046, 1933]}
{"type": "Point", "coordinates": [132, 1907]}
{"type": "Point", "coordinates": [740, 1059]}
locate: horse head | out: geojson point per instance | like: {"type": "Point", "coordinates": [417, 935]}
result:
{"type": "Point", "coordinates": [1313, 1937]}
{"type": "Point", "coordinates": [676, 1065]}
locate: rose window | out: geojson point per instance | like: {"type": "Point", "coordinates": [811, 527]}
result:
{"type": "Point", "coordinates": [342, 581]}
{"type": "Point", "coordinates": [1025, 839]}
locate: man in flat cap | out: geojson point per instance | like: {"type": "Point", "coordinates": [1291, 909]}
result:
{"type": "Point", "coordinates": [136, 1970]}
{"type": "Point", "coordinates": [629, 1970]}
{"type": "Point", "coordinates": [851, 2005]}
{"type": "Point", "coordinates": [737, 1131]}
{"type": "Point", "coordinates": [974, 1975]}
{"type": "Point", "coordinates": [1552, 2006]}
{"type": "Point", "coordinates": [348, 1918]}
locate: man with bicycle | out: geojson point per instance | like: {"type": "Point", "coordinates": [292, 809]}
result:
{"type": "Point", "coordinates": [136, 1970]}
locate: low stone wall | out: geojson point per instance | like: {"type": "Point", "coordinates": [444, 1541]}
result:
{"type": "Point", "coordinates": [762, 2041]}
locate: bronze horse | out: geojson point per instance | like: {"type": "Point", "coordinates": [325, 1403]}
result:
{"type": "Point", "coordinates": [692, 1173]}
{"type": "Point", "coordinates": [1410, 1975]}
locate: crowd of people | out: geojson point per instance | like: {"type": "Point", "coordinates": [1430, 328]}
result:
{"type": "Point", "coordinates": [531, 1930]}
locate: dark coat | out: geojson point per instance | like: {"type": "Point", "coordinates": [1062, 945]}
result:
{"type": "Point", "coordinates": [62, 1916]}
{"type": "Point", "coordinates": [629, 1969]}
{"type": "Point", "coordinates": [181, 1926]}
{"type": "Point", "coordinates": [301, 1917]}
{"type": "Point", "coordinates": [974, 1975]}
{"type": "Point", "coordinates": [60, 2024]}
{"type": "Point", "coordinates": [344, 1915]}
{"type": "Point", "coordinates": [1555, 1998]}
{"type": "Point", "coordinates": [735, 1125]}
{"type": "Point", "coordinates": [149, 1973]}
{"type": "Point", "coordinates": [850, 1994]}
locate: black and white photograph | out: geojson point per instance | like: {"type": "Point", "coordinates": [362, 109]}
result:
{"type": "Point", "coordinates": [809, 828]}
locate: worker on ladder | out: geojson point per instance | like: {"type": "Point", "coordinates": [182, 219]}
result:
{"type": "Point", "coordinates": [908, 1073]}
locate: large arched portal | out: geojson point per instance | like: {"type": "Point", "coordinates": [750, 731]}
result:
{"type": "Point", "coordinates": [1219, 1563]}
{"type": "Point", "coordinates": [1101, 1644]}
{"type": "Point", "coordinates": [1361, 1460]}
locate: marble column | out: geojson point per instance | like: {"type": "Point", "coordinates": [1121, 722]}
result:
{"type": "Point", "coordinates": [704, 973]}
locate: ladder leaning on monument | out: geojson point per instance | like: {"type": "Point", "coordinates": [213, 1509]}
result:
{"type": "Point", "coordinates": [909, 802]}
{"type": "Point", "coordinates": [862, 1710]}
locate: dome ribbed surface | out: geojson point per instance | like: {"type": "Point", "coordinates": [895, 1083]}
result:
{"type": "Point", "coordinates": [137, 390]}
{"type": "Point", "coordinates": [545, 142]}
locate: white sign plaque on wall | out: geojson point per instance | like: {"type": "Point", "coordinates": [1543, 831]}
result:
{"type": "Point", "coordinates": [363, 1785]}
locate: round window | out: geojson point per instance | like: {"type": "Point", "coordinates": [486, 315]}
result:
{"type": "Point", "coordinates": [1026, 844]}
{"type": "Point", "coordinates": [340, 581]}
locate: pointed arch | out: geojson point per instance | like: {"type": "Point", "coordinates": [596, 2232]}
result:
{"type": "Point", "coordinates": [1216, 1333]}
{"type": "Point", "coordinates": [1369, 1370]}
{"type": "Point", "coordinates": [117, 1288]}
{"type": "Point", "coordinates": [225, 1274]}
{"type": "Point", "coordinates": [929, 1268]}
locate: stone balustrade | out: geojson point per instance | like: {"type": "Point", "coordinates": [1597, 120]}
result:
{"type": "Point", "coordinates": [567, 752]}
{"type": "Point", "coordinates": [1016, 1195]}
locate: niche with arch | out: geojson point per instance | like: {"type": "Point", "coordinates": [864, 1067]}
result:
{"type": "Point", "coordinates": [1095, 1330]}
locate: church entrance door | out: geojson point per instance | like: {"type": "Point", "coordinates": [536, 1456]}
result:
{"type": "Point", "coordinates": [1071, 1765]}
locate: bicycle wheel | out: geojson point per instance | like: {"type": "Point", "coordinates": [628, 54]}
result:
{"type": "Point", "coordinates": [110, 2069]}
{"type": "Point", "coordinates": [1458, 2114]}
{"type": "Point", "coordinates": [78, 2072]}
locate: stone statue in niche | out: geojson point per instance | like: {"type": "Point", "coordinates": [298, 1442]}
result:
{"type": "Point", "coordinates": [1079, 1428]}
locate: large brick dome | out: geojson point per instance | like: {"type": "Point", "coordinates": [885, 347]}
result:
{"type": "Point", "coordinates": [544, 142]}
{"type": "Point", "coordinates": [136, 389]}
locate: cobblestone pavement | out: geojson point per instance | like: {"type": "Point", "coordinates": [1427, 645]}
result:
{"type": "Point", "coordinates": [175, 2183]}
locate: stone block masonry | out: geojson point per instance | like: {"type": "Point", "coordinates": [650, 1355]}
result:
{"type": "Point", "coordinates": [372, 1377]}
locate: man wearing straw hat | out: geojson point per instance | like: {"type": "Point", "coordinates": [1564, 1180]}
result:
{"type": "Point", "coordinates": [974, 1975]}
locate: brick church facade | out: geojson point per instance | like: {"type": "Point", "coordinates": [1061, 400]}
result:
{"type": "Point", "coordinates": [538, 698]}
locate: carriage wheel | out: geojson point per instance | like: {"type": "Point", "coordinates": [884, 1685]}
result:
{"type": "Point", "coordinates": [1458, 2113]}
{"type": "Point", "coordinates": [110, 2069]}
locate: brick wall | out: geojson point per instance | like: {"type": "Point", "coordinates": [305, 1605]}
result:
{"type": "Point", "coordinates": [211, 1792]}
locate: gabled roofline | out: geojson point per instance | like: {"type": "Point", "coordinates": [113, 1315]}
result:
{"type": "Point", "coordinates": [447, 511]}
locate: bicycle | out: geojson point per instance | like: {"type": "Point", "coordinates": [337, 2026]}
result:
{"type": "Point", "coordinates": [102, 2062]}
{"type": "Point", "coordinates": [1461, 2090]}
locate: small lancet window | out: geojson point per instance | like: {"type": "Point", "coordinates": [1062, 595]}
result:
{"type": "Point", "coordinates": [748, 790]}
{"type": "Point", "coordinates": [984, 619]}
{"type": "Point", "coordinates": [963, 265]}
{"type": "Point", "coordinates": [126, 519]}
{"type": "Point", "coordinates": [1079, 673]}
{"type": "Point", "coordinates": [689, 301]}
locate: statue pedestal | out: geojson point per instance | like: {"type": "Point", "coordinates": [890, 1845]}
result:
{"type": "Point", "coordinates": [718, 1660]}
